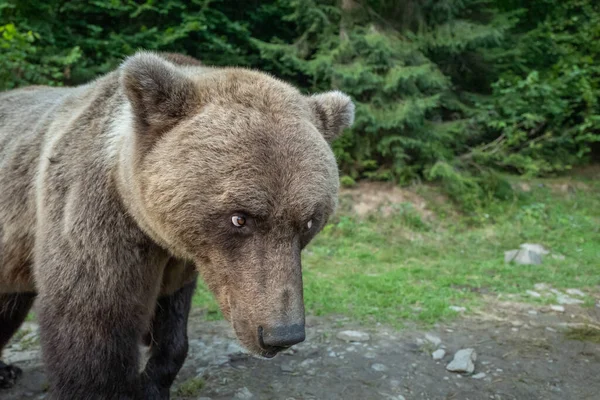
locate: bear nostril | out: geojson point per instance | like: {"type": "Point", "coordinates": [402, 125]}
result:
{"type": "Point", "coordinates": [281, 336]}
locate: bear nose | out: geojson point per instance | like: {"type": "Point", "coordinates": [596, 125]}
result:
{"type": "Point", "coordinates": [282, 335]}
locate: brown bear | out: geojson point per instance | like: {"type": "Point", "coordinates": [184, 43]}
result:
{"type": "Point", "coordinates": [113, 194]}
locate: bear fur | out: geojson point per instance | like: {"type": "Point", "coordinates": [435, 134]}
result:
{"type": "Point", "coordinates": [115, 194]}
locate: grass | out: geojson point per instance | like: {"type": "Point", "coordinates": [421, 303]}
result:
{"type": "Point", "coordinates": [401, 267]}
{"type": "Point", "coordinates": [584, 334]}
{"type": "Point", "coordinates": [190, 388]}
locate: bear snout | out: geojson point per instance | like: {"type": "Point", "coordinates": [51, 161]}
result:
{"type": "Point", "coordinates": [280, 337]}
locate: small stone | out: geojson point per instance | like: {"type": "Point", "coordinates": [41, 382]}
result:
{"type": "Point", "coordinates": [549, 329]}
{"type": "Point", "coordinates": [370, 354]}
{"type": "Point", "coordinates": [536, 248]}
{"type": "Point", "coordinates": [379, 367]}
{"type": "Point", "coordinates": [353, 336]}
{"type": "Point", "coordinates": [243, 394]}
{"type": "Point", "coordinates": [286, 367]}
{"type": "Point", "coordinates": [532, 312]}
{"type": "Point", "coordinates": [463, 361]}
{"type": "Point", "coordinates": [446, 378]}
{"type": "Point", "coordinates": [332, 354]}
{"type": "Point", "coordinates": [564, 299]}
{"type": "Point", "coordinates": [533, 294]}
{"type": "Point", "coordinates": [438, 354]}
{"type": "Point", "coordinates": [523, 257]}
{"type": "Point", "coordinates": [541, 287]}
{"type": "Point", "coordinates": [557, 308]}
{"type": "Point", "coordinates": [575, 292]}
{"type": "Point", "coordinates": [480, 375]}
{"type": "Point", "coordinates": [436, 341]}
{"type": "Point", "coordinates": [457, 309]}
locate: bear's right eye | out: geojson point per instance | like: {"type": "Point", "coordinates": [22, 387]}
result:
{"type": "Point", "coordinates": [238, 220]}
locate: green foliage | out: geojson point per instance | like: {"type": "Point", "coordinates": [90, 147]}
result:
{"type": "Point", "coordinates": [449, 91]}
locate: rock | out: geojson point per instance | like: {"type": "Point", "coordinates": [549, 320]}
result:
{"type": "Point", "coordinates": [438, 354]}
{"type": "Point", "coordinates": [532, 312]}
{"type": "Point", "coordinates": [243, 394]}
{"type": "Point", "coordinates": [523, 257]}
{"type": "Point", "coordinates": [286, 367]}
{"type": "Point", "coordinates": [20, 356]}
{"type": "Point", "coordinates": [557, 308]}
{"type": "Point", "coordinates": [550, 329]}
{"type": "Point", "coordinates": [536, 248]}
{"type": "Point", "coordinates": [353, 336]}
{"type": "Point", "coordinates": [464, 361]}
{"type": "Point", "coordinates": [379, 367]}
{"type": "Point", "coordinates": [457, 308]}
{"type": "Point", "coordinates": [533, 294]}
{"type": "Point", "coordinates": [436, 341]}
{"type": "Point", "coordinates": [564, 299]}
{"type": "Point", "coordinates": [575, 292]}
{"type": "Point", "coordinates": [370, 354]}
{"type": "Point", "coordinates": [541, 287]}
{"type": "Point", "coordinates": [480, 375]}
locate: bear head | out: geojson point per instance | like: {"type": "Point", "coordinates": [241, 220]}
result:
{"type": "Point", "coordinates": [232, 169]}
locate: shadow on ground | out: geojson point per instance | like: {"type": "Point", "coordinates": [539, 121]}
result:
{"type": "Point", "coordinates": [523, 352]}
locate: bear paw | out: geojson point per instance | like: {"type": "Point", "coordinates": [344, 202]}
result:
{"type": "Point", "coordinates": [8, 375]}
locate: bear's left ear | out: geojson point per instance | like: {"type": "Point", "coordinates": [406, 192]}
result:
{"type": "Point", "coordinates": [333, 111]}
{"type": "Point", "coordinates": [159, 92]}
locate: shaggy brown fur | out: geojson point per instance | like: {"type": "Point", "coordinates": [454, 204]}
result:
{"type": "Point", "coordinates": [111, 193]}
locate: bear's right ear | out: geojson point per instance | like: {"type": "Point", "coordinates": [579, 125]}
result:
{"type": "Point", "coordinates": [160, 95]}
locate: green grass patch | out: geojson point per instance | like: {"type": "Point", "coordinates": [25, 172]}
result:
{"type": "Point", "coordinates": [190, 388]}
{"type": "Point", "coordinates": [584, 334]}
{"type": "Point", "coordinates": [400, 267]}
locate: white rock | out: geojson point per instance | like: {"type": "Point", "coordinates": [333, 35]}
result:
{"type": "Point", "coordinates": [379, 367]}
{"type": "Point", "coordinates": [20, 356]}
{"type": "Point", "coordinates": [464, 361]}
{"type": "Point", "coordinates": [564, 299]}
{"type": "Point", "coordinates": [557, 308]}
{"type": "Point", "coordinates": [536, 248]}
{"type": "Point", "coordinates": [243, 394]}
{"type": "Point", "coordinates": [353, 336]}
{"type": "Point", "coordinates": [532, 312]}
{"type": "Point", "coordinates": [541, 287]}
{"type": "Point", "coordinates": [533, 294]}
{"type": "Point", "coordinates": [457, 308]}
{"type": "Point", "coordinates": [575, 292]}
{"type": "Point", "coordinates": [436, 341]}
{"type": "Point", "coordinates": [550, 329]}
{"type": "Point", "coordinates": [523, 257]}
{"type": "Point", "coordinates": [480, 375]}
{"type": "Point", "coordinates": [438, 354]}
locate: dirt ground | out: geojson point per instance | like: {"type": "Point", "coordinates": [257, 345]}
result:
{"type": "Point", "coordinates": [524, 352]}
